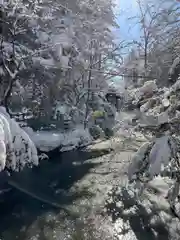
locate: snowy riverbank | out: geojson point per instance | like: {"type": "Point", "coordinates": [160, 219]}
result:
{"type": "Point", "coordinates": [48, 140]}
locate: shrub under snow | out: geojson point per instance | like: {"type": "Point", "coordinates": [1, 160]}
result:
{"type": "Point", "coordinates": [16, 148]}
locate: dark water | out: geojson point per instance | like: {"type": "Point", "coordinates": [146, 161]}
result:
{"type": "Point", "coordinates": [23, 217]}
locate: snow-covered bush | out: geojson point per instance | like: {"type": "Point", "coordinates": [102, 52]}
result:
{"type": "Point", "coordinates": [16, 148]}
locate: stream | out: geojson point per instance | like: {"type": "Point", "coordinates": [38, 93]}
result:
{"type": "Point", "coordinates": [66, 215]}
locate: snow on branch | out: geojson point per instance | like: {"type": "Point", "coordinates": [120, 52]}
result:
{"type": "Point", "coordinates": [16, 147]}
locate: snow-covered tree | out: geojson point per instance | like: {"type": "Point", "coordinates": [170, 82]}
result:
{"type": "Point", "coordinates": [60, 50]}
{"type": "Point", "coordinates": [16, 148]}
{"type": "Point", "coordinates": [158, 41]}
{"type": "Point", "coordinates": [91, 46]}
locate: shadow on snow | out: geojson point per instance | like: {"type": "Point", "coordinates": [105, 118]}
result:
{"type": "Point", "coordinates": [51, 180]}
{"type": "Point", "coordinates": [136, 215]}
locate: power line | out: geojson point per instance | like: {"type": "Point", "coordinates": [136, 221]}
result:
{"type": "Point", "coordinates": [108, 73]}
{"type": "Point", "coordinates": [120, 75]}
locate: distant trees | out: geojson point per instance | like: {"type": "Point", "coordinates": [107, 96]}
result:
{"type": "Point", "coordinates": [51, 53]}
{"type": "Point", "coordinates": [158, 41]}
{"type": "Point", "coordinates": [49, 45]}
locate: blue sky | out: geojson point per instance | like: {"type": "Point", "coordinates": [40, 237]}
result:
{"type": "Point", "coordinates": [125, 9]}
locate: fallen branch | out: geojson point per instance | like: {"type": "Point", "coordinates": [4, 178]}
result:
{"type": "Point", "coordinates": [33, 195]}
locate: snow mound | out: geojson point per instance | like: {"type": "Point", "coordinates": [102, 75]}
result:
{"type": "Point", "coordinates": [134, 95]}
{"type": "Point", "coordinates": [48, 140]}
{"type": "Point", "coordinates": [16, 148]}
{"type": "Point", "coordinates": [149, 87]}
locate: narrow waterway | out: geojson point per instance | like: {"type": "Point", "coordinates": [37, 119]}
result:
{"type": "Point", "coordinates": [66, 213]}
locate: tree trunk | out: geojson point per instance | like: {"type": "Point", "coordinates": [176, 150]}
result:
{"type": "Point", "coordinates": [145, 57]}
{"type": "Point", "coordinates": [88, 98]}
{"type": "Point", "coordinates": [7, 94]}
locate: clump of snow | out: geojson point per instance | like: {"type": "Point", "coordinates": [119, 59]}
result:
{"type": "Point", "coordinates": [165, 102]}
{"type": "Point", "coordinates": [48, 140]}
{"type": "Point", "coordinates": [149, 87]}
{"type": "Point", "coordinates": [16, 148]}
{"type": "Point", "coordinates": [136, 94]}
